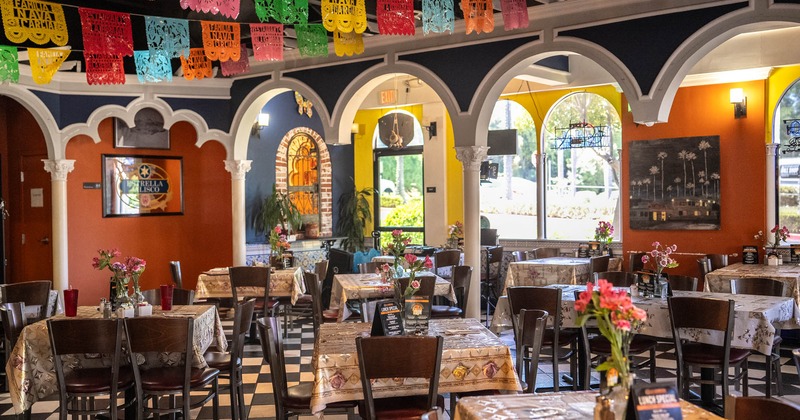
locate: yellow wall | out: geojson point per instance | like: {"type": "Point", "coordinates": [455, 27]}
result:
{"type": "Point", "coordinates": [455, 179]}
{"type": "Point", "coordinates": [777, 83]}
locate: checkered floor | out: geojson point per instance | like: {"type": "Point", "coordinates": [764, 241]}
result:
{"type": "Point", "coordinates": [299, 348]}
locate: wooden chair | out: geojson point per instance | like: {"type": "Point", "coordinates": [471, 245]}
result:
{"type": "Point", "coordinates": [539, 253]}
{"type": "Point", "coordinates": [427, 284]}
{"type": "Point", "coordinates": [599, 264]}
{"type": "Point", "coordinates": [33, 293]}
{"type": "Point", "coordinates": [617, 278]}
{"type": "Point", "coordinates": [546, 299]}
{"type": "Point", "coordinates": [367, 267]}
{"type": "Point", "coordinates": [746, 408]}
{"type": "Point", "coordinates": [532, 325]}
{"type": "Point", "coordinates": [254, 277]}
{"type": "Point", "coordinates": [635, 263]}
{"type": "Point", "coordinates": [399, 357]}
{"type": "Point", "coordinates": [462, 277]}
{"type": "Point", "coordinates": [78, 385]}
{"type": "Point", "coordinates": [289, 401]}
{"type": "Point", "coordinates": [704, 265]}
{"type": "Point", "coordinates": [679, 282]}
{"type": "Point", "coordinates": [765, 287]}
{"type": "Point", "coordinates": [520, 256]}
{"type": "Point", "coordinates": [796, 357]}
{"type": "Point", "coordinates": [229, 363]}
{"type": "Point", "coordinates": [175, 269]}
{"type": "Point", "coordinates": [444, 261]}
{"type": "Point", "coordinates": [490, 280]}
{"type": "Point", "coordinates": [717, 261]}
{"type": "Point", "coordinates": [710, 314]}
{"type": "Point", "coordinates": [13, 320]}
{"type": "Point", "coordinates": [179, 296]}
{"type": "Point", "coordinates": [169, 335]}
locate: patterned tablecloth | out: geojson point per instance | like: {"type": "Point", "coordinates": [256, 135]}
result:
{"type": "Point", "coordinates": [470, 362]}
{"type": "Point", "coordinates": [756, 317]}
{"type": "Point", "coordinates": [216, 283]}
{"type": "Point", "coordinates": [719, 280]}
{"type": "Point", "coordinates": [369, 286]}
{"type": "Point", "coordinates": [562, 405]}
{"type": "Point", "coordinates": [556, 270]}
{"type": "Point", "coordinates": [30, 369]}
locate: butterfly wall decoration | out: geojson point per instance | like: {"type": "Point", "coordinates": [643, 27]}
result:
{"type": "Point", "coordinates": [303, 105]}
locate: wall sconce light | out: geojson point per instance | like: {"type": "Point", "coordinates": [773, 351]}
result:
{"type": "Point", "coordinates": [263, 119]}
{"type": "Point", "coordinates": [431, 129]}
{"type": "Point", "coordinates": [739, 102]}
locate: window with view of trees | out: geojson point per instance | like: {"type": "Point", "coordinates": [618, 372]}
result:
{"type": "Point", "coordinates": [786, 132]}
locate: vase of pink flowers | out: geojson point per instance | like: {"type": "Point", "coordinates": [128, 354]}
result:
{"type": "Point", "coordinates": [121, 275]}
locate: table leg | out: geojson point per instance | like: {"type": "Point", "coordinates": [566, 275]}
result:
{"type": "Point", "coordinates": [707, 391]}
{"type": "Point", "coordinates": [364, 315]}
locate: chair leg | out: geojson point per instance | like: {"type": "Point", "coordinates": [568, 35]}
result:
{"type": "Point", "coordinates": [215, 400]}
{"type": "Point", "coordinates": [745, 374]}
{"type": "Point", "coordinates": [652, 365]}
{"type": "Point", "coordinates": [556, 379]}
{"type": "Point", "coordinates": [234, 401]}
{"type": "Point", "coordinates": [769, 366]}
{"type": "Point", "coordinates": [778, 375]}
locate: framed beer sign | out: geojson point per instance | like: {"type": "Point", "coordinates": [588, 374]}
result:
{"type": "Point", "coordinates": [136, 185]}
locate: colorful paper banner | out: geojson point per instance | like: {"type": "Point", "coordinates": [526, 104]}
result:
{"type": "Point", "coordinates": [197, 66]}
{"type": "Point", "coordinates": [45, 62]}
{"type": "Point", "coordinates": [312, 40]}
{"type": "Point", "coordinates": [232, 68]}
{"type": "Point", "coordinates": [39, 21]}
{"type": "Point", "coordinates": [9, 64]}
{"type": "Point", "coordinates": [152, 66]}
{"type": "Point", "coordinates": [267, 40]}
{"type": "Point", "coordinates": [284, 11]}
{"type": "Point", "coordinates": [221, 40]}
{"type": "Point", "coordinates": [344, 15]}
{"type": "Point", "coordinates": [106, 32]}
{"type": "Point", "coordinates": [168, 35]}
{"type": "Point", "coordinates": [437, 16]}
{"type": "Point", "coordinates": [347, 43]}
{"type": "Point", "coordinates": [515, 14]}
{"type": "Point", "coordinates": [229, 8]}
{"type": "Point", "coordinates": [396, 17]}
{"type": "Point", "coordinates": [104, 69]}
{"type": "Point", "coordinates": [478, 15]}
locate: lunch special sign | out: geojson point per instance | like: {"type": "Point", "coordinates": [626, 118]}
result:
{"type": "Point", "coordinates": [142, 185]}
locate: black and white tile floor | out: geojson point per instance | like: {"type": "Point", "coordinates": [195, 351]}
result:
{"type": "Point", "coordinates": [300, 346]}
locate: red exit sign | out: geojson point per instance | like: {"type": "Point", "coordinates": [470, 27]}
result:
{"type": "Point", "coordinates": [388, 97]}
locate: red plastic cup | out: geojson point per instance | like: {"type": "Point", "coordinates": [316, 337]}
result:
{"type": "Point", "coordinates": [166, 296]}
{"type": "Point", "coordinates": [71, 302]}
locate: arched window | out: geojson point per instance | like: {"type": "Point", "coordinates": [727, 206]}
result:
{"type": "Point", "coordinates": [581, 140]}
{"type": "Point", "coordinates": [786, 132]}
{"type": "Point", "coordinates": [302, 159]}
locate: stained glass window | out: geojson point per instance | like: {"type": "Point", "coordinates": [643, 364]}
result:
{"type": "Point", "coordinates": [303, 177]}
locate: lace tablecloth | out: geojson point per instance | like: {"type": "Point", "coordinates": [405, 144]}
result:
{"type": "Point", "coordinates": [556, 270]}
{"type": "Point", "coordinates": [566, 405]}
{"type": "Point", "coordinates": [470, 362]}
{"type": "Point", "coordinates": [216, 283]}
{"type": "Point", "coordinates": [755, 317]}
{"type": "Point", "coordinates": [719, 280]}
{"type": "Point", "coordinates": [369, 286]}
{"type": "Point", "coordinates": [30, 370]}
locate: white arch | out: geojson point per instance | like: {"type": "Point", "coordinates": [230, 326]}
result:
{"type": "Point", "coordinates": [252, 104]}
{"type": "Point", "coordinates": [40, 113]}
{"type": "Point", "coordinates": [90, 127]}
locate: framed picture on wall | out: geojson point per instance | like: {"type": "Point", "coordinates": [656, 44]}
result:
{"type": "Point", "coordinates": [148, 131]}
{"type": "Point", "coordinates": [142, 186]}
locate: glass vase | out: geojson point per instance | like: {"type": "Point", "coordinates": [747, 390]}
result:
{"type": "Point", "coordinates": [137, 297]}
{"type": "Point", "coordinates": [619, 394]}
{"type": "Point", "coordinates": [120, 298]}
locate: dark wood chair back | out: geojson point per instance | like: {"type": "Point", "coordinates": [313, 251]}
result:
{"type": "Point", "coordinates": [534, 297]}
{"type": "Point", "coordinates": [533, 323]}
{"type": "Point", "coordinates": [758, 407]}
{"type": "Point", "coordinates": [539, 253]}
{"type": "Point", "coordinates": [367, 267]}
{"type": "Point", "coordinates": [520, 256]}
{"type": "Point", "coordinates": [679, 282]}
{"type": "Point", "coordinates": [704, 265]}
{"type": "Point", "coordinates": [494, 255]}
{"type": "Point", "coordinates": [32, 293]}
{"type": "Point", "coordinates": [81, 336]}
{"type": "Point", "coordinates": [248, 276]}
{"type": "Point", "coordinates": [175, 269]}
{"type": "Point", "coordinates": [179, 296]}
{"type": "Point", "coordinates": [311, 282]}
{"type": "Point", "coordinates": [693, 312]}
{"type": "Point", "coordinates": [599, 264]}
{"type": "Point", "coordinates": [616, 278]}
{"type": "Point", "coordinates": [320, 268]}
{"type": "Point", "coordinates": [635, 263]}
{"type": "Point", "coordinates": [399, 357]}
{"type": "Point", "coordinates": [269, 330]}
{"type": "Point", "coordinates": [717, 261]}
{"type": "Point", "coordinates": [446, 258]}
{"type": "Point", "coordinates": [241, 325]}
{"type": "Point", "coordinates": [462, 277]}
{"type": "Point", "coordinates": [427, 284]}
{"type": "Point", "coordinates": [758, 286]}
{"type": "Point", "coordinates": [14, 320]}
{"type": "Point", "coordinates": [339, 262]}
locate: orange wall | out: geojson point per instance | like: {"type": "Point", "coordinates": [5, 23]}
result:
{"type": "Point", "coordinates": [706, 111]}
{"type": "Point", "coordinates": [200, 238]}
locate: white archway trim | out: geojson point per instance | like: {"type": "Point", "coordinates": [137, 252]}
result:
{"type": "Point", "coordinates": [40, 113]}
{"type": "Point", "coordinates": [356, 91]}
{"type": "Point", "coordinates": [253, 103]}
{"type": "Point", "coordinates": [90, 127]}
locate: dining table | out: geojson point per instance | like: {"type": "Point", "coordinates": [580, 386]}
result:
{"type": "Point", "coordinates": [216, 283]}
{"type": "Point", "coordinates": [30, 370]}
{"type": "Point", "coordinates": [369, 286]}
{"type": "Point", "coordinates": [719, 280]}
{"type": "Point", "coordinates": [473, 359]}
{"type": "Point", "coordinates": [553, 406]}
{"type": "Point", "coordinates": [554, 270]}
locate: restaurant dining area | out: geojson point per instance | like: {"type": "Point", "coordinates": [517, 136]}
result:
{"type": "Point", "coordinates": [268, 209]}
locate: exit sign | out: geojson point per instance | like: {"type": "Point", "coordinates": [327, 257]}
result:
{"type": "Point", "coordinates": [388, 97]}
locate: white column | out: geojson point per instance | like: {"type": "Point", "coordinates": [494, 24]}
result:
{"type": "Point", "coordinates": [471, 157]}
{"type": "Point", "coordinates": [541, 196]}
{"type": "Point", "coordinates": [238, 169]}
{"type": "Point", "coordinates": [58, 170]}
{"type": "Point", "coordinates": [772, 150]}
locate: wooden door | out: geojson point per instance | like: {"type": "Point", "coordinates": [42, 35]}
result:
{"type": "Point", "coordinates": [36, 226]}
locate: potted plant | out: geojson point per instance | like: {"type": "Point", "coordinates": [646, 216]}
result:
{"type": "Point", "coordinates": [354, 215]}
{"type": "Point", "coordinates": [278, 210]}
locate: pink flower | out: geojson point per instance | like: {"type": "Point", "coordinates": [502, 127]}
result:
{"type": "Point", "coordinates": [584, 298]}
{"type": "Point", "coordinates": [410, 258]}
{"type": "Point", "coordinates": [415, 284]}
{"type": "Point", "coordinates": [645, 259]}
{"type": "Point", "coordinates": [278, 229]}
{"type": "Point", "coordinates": [656, 244]}
{"type": "Point", "coordinates": [428, 263]}
{"type": "Point", "coordinates": [397, 232]}
{"type": "Point", "coordinates": [639, 314]}
{"type": "Point", "coordinates": [622, 324]}
{"type": "Point", "coordinates": [96, 262]}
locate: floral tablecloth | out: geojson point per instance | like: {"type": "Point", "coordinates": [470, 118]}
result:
{"type": "Point", "coordinates": [556, 270]}
{"type": "Point", "coordinates": [216, 283]}
{"type": "Point", "coordinates": [369, 286]}
{"type": "Point", "coordinates": [30, 370]}
{"type": "Point", "coordinates": [719, 280]}
{"type": "Point", "coordinates": [755, 317]}
{"type": "Point", "coordinates": [555, 406]}
{"type": "Point", "coordinates": [470, 362]}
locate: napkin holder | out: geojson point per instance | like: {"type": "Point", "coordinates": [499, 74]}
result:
{"type": "Point", "coordinates": [145, 309]}
{"type": "Point", "coordinates": [125, 312]}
